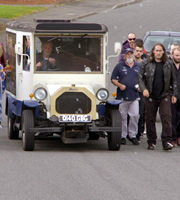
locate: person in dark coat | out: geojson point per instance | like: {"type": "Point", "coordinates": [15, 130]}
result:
{"type": "Point", "coordinates": [175, 108]}
{"type": "Point", "coordinates": [157, 82]}
{"type": "Point", "coordinates": [129, 43]}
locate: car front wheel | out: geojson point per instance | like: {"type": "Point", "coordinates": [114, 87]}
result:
{"type": "Point", "coordinates": [27, 135]}
{"type": "Point", "coordinates": [114, 138]}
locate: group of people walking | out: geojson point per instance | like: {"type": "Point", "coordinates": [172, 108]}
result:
{"type": "Point", "coordinates": [146, 84]}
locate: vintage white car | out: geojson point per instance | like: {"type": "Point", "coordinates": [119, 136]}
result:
{"type": "Point", "coordinates": [58, 83]}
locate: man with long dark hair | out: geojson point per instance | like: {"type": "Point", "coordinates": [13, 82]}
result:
{"type": "Point", "coordinates": [156, 77]}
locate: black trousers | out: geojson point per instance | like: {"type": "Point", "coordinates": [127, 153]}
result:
{"type": "Point", "coordinates": [175, 109]}
{"type": "Point", "coordinates": [151, 108]}
{"type": "Point", "coordinates": [141, 115]}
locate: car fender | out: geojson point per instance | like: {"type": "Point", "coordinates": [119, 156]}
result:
{"type": "Point", "coordinates": [110, 104]}
{"type": "Point", "coordinates": [14, 107]}
{"type": "Point", "coordinates": [114, 102]}
{"type": "Point", "coordinates": [32, 104]}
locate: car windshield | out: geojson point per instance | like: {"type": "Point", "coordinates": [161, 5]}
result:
{"type": "Point", "coordinates": [165, 40]}
{"type": "Point", "coordinates": [68, 53]}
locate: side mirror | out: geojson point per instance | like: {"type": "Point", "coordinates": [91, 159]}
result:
{"type": "Point", "coordinates": [18, 49]}
{"type": "Point", "coordinates": [117, 47]}
{"type": "Point", "coordinates": [117, 50]}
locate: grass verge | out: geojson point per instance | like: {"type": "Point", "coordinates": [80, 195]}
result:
{"type": "Point", "coordinates": [12, 12]}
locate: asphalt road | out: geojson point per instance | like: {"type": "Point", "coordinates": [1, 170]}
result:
{"type": "Point", "coordinates": [55, 171]}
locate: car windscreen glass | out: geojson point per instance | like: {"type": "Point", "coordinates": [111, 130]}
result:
{"type": "Point", "coordinates": [72, 53]}
{"type": "Point", "coordinates": [150, 41]}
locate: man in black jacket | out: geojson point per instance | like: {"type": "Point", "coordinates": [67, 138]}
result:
{"type": "Point", "coordinates": [156, 76]}
{"type": "Point", "coordinates": [175, 108]}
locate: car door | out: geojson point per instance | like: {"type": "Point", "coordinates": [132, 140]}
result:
{"type": "Point", "coordinates": [24, 74]}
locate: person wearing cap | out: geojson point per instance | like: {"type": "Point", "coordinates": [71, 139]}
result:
{"type": "Point", "coordinates": [124, 76]}
{"type": "Point", "coordinates": [129, 43]}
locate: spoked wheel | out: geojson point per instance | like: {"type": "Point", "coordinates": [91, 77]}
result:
{"type": "Point", "coordinates": [27, 136]}
{"type": "Point", "coordinates": [114, 138]}
{"type": "Point", "coordinates": [12, 133]}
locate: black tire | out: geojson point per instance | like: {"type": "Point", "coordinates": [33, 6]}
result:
{"type": "Point", "coordinates": [27, 136]}
{"type": "Point", "coordinates": [114, 138]}
{"type": "Point", "coordinates": [12, 133]}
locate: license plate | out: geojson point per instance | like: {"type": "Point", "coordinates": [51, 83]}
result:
{"type": "Point", "coordinates": [75, 118]}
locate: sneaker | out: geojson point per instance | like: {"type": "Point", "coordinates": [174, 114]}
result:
{"type": "Point", "coordinates": [135, 141]}
{"type": "Point", "coordinates": [167, 146]}
{"type": "Point", "coordinates": [0, 126]}
{"type": "Point", "coordinates": [151, 146]}
{"type": "Point", "coordinates": [173, 143]}
{"type": "Point", "coordinates": [123, 141]}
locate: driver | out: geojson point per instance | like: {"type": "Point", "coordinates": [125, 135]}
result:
{"type": "Point", "coordinates": [46, 61]}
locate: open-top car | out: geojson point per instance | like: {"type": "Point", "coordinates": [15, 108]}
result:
{"type": "Point", "coordinates": [58, 83]}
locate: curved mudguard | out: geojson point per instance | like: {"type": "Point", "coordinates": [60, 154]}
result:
{"type": "Point", "coordinates": [32, 104]}
{"type": "Point", "coordinates": [114, 102]}
{"type": "Point", "coordinates": [109, 103]}
{"type": "Point", "coordinates": [14, 107]}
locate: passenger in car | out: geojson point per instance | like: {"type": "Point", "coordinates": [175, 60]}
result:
{"type": "Point", "coordinates": [46, 60]}
{"type": "Point", "coordinates": [27, 50]}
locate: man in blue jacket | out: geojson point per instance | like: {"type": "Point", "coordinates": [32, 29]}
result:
{"type": "Point", "coordinates": [124, 76]}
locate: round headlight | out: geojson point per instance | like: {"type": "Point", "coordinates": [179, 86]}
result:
{"type": "Point", "coordinates": [102, 94]}
{"type": "Point", "coordinates": [40, 94]}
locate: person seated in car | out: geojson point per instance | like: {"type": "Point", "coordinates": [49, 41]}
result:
{"type": "Point", "coordinates": [46, 60]}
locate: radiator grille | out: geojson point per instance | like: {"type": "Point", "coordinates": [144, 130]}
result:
{"type": "Point", "coordinates": [73, 103]}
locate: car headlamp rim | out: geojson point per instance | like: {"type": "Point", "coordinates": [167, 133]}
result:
{"type": "Point", "coordinates": [40, 94]}
{"type": "Point", "coordinates": [102, 94]}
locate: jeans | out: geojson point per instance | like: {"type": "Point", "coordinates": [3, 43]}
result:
{"type": "Point", "coordinates": [141, 115]}
{"type": "Point", "coordinates": [131, 109]}
{"type": "Point", "coordinates": [151, 107]}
